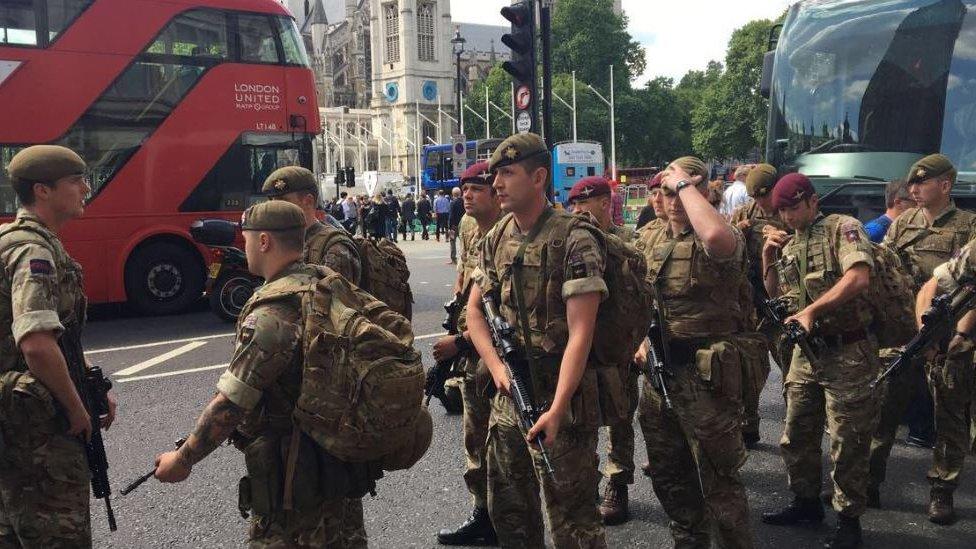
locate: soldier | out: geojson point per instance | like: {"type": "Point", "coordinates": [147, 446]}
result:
{"type": "Point", "coordinates": [42, 296]}
{"type": "Point", "coordinates": [553, 309]}
{"type": "Point", "coordinates": [325, 244]}
{"type": "Point", "coordinates": [824, 270]}
{"type": "Point", "coordinates": [592, 196]}
{"type": "Point", "coordinates": [753, 219]}
{"type": "Point", "coordinates": [257, 395]}
{"type": "Point", "coordinates": [695, 450]}
{"type": "Point", "coordinates": [482, 211]}
{"type": "Point", "coordinates": [924, 238]}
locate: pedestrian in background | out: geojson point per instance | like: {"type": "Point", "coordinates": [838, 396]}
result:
{"type": "Point", "coordinates": [408, 212]}
{"type": "Point", "coordinates": [376, 217]}
{"type": "Point", "coordinates": [453, 220]}
{"type": "Point", "coordinates": [714, 193]}
{"type": "Point", "coordinates": [392, 214]}
{"type": "Point", "coordinates": [736, 195]}
{"type": "Point", "coordinates": [617, 203]}
{"type": "Point", "coordinates": [897, 200]}
{"type": "Point", "coordinates": [423, 215]}
{"type": "Point", "coordinates": [655, 206]}
{"type": "Point", "coordinates": [351, 211]}
{"type": "Point", "coordinates": [442, 212]}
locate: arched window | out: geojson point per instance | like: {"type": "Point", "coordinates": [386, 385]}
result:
{"type": "Point", "coordinates": [425, 30]}
{"type": "Point", "coordinates": [391, 17]}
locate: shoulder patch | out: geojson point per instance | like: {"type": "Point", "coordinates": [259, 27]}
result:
{"type": "Point", "coordinates": [41, 267]}
{"type": "Point", "coordinates": [851, 231]}
{"type": "Point", "coordinates": [250, 321]}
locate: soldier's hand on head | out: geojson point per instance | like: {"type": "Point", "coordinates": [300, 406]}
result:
{"type": "Point", "coordinates": [675, 173]}
{"type": "Point", "coordinates": [444, 348]}
{"type": "Point", "coordinates": [170, 468]}
{"type": "Point", "coordinates": [549, 423]}
{"type": "Point", "coordinates": [80, 423]}
{"type": "Point", "coordinates": [109, 418]}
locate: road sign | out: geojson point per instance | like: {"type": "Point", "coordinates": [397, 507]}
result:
{"type": "Point", "coordinates": [523, 122]}
{"type": "Point", "coordinates": [460, 154]}
{"type": "Point", "coordinates": [523, 98]}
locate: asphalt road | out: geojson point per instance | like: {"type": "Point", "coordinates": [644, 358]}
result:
{"type": "Point", "coordinates": [165, 369]}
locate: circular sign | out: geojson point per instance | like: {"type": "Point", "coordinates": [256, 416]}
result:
{"type": "Point", "coordinates": [459, 148]}
{"type": "Point", "coordinates": [392, 92]}
{"type": "Point", "coordinates": [430, 90]}
{"type": "Point", "coordinates": [523, 122]}
{"type": "Point", "coordinates": [523, 97]}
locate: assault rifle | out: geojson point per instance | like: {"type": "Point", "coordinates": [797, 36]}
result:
{"type": "Point", "coordinates": [517, 367]}
{"type": "Point", "coordinates": [441, 371]}
{"type": "Point", "coordinates": [777, 310]}
{"type": "Point", "coordinates": [138, 482]}
{"type": "Point", "coordinates": [93, 388]}
{"type": "Point", "coordinates": [658, 354]}
{"type": "Point", "coordinates": [938, 321]}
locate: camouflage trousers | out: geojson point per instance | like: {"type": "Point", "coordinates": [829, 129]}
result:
{"type": "Point", "coordinates": [754, 354]}
{"type": "Point", "coordinates": [840, 395]}
{"type": "Point", "coordinates": [953, 382]}
{"type": "Point", "coordinates": [695, 450]}
{"type": "Point", "coordinates": [334, 525]}
{"type": "Point", "coordinates": [896, 394]}
{"type": "Point", "coordinates": [477, 409]}
{"type": "Point", "coordinates": [515, 473]}
{"type": "Point", "coordinates": [620, 438]}
{"type": "Point", "coordinates": [44, 479]}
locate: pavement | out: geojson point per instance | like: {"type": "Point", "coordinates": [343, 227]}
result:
{"type": "Point", "coordinates": [165, 370]}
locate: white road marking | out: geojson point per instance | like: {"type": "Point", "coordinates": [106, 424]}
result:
{"type": "Point", "coordinates": [156, 344]}
{"type": "Point", "coordinates": [430, 336]}
{"type": "Point", "coordinates": [424, 282]}
{"type": "Point", "coordinates": [173, 373]}
{"type": "Point", "coordinates": [146, 364]}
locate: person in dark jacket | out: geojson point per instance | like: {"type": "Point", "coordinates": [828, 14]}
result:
{"type": "Point", "coordinates": [408, 212]}
{"type": "Point", "coordinates": [392, 215]}
{"type": "Point", "coordinates": [424, 208]}
{"type": "Point", "coordinates": [453, 220]}
{"type": "Point", "coordinates": [376, 217]}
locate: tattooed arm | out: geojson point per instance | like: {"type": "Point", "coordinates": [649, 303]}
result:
{"type": "Point", "coordinates": [217, 422]}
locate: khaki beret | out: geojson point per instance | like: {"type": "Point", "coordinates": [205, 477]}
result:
{"type": "Point", "coordinates": [933, 165]}
{"type": "Point", "coordinates": [517, 148]}
{"type": "Point", "coordinates": [273, 215]}
{"type": "Point", "coordinates": [45, 163]}
{"type": "Point", "coordinates": [761, 178]}
{"type": "Point", "coordinates": [693, 166]}
{"type": "Point", "coordinates": [288, 180]}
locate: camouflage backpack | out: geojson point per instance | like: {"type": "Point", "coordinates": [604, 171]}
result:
{"type": "Point", "coordinates": [892, 299]}
{"type": "Point", "coordinates": [385, 274]}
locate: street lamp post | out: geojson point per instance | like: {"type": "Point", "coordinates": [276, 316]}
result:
{"type": "Point", "coordinates": [458, 44]}
{"type": "Point", "coordinates": [613, 127]}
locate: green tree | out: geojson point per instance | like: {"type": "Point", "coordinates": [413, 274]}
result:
{"type": "Point", "coordinates": [499, 86]}
{"type": "Point", "coordinates": [587, 37]}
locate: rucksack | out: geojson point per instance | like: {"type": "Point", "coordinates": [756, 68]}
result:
{"type": "Point", "coordinates": [338, 212]}
{"type": "Point", "coordinates": [891, 298]}
{"type": "Point", "coordinates": [385, 274]}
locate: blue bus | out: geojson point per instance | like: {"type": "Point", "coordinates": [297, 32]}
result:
{"type": "Point", "coordinates": [572, 162]}
{"type": "Point", "coordinates": [437, 162]}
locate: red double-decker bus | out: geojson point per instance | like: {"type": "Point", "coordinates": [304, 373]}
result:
{"type": "Point", "coordinates": [180, 107]}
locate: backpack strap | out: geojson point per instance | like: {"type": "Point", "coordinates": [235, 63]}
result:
{"type": "Point", "coordinates": [518, 281]}
{"type": "Point", "coordinates": [18, 226]}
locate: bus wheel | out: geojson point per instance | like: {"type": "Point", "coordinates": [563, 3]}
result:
{"type": "Point", "coordinates": [230, 293]}
{"type": "Point", "coordinates": [163, 278]}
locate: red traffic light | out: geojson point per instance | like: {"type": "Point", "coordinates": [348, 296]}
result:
{"type": "Point", "coordinates": [517, 14]}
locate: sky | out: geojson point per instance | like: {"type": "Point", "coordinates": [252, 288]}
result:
{"type": "Point", "coordinates": [677, 35]}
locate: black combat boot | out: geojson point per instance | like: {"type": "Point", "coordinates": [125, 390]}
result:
{"type": "Point", "coordinates": [800, 511]}
{"type": "Point", "coordinates": [477, 530]}
{"type": "Point", "coordinates": [614, 507]}
{"type": "Point", "coordinates": [940, 507]}
{"type": "Point", "coordinates": [847, 535]}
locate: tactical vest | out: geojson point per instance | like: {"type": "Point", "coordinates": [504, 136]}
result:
{"type": "Point", "coordinates": [924, 247]}
{"type": "Point", "coordinates": [70, 294]}
{"type": "Point", "coordinates": [699, 294]}
{"type": "Point", "coordinates": [823, 271]}
{"type": "Point", "coordinates": [470, 256]}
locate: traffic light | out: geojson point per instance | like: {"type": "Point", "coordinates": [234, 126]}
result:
{"type": "Point", "coordinates": [522, 65]}
{"type": "Point", "coordinates": [340, 177]}
{"type": "Point", "coordinates": [350, 176]}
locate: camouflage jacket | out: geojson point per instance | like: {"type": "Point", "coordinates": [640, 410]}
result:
{"type": "Point", "coordinates": [923, 246]}
{"type": "Point", "coordinates": [334, 248]}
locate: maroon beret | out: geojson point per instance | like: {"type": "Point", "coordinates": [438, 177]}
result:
{"type": "Point", "coordinates": [588, 187]}
{"type": "Point", "coordinates": [656, 180]}
{"type": "Point", "coordinates": [791, 189]}
{"type": "Point", "coordinates": [477, 174]}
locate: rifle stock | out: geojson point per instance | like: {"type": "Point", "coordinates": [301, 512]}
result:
{"type": "Point", "coordinates": [659, 354]}
{"type": "Point", "coordinates": [777, 310]}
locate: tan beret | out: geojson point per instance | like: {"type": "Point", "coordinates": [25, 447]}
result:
{"type": "Point", "coordinates": [45, 163]}
{"type": "Point", "coordinates": [933, 165]}
{"type": "Point", "coordinates": [517, 148]}
{"type": "Point", "coordinates": [273, 215]}
{"type": "Point", "coordinates": [288, 180]}
{"type": "Point", "coordinates": [761, 178]}
{"type": "Point", "coordinates": [693, 166]}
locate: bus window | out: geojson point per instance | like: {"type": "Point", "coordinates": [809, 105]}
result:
{"type": "Point", "coordinates": [198, 33]}
{"type": "Point", "coordinates": [571, 171]}
{"type": "Point", "coordinates": [8, 199]}
{"type": "Point", "coordinates": [19, 23]}
{"type": "Point", "coordinates": [590, 171]}
{"type": "Point", "coordinates": [291, 42]}
{"type": "Point", "coordinates": [61, 13]}
{"type": "Point", "coordinates": [256, 39]}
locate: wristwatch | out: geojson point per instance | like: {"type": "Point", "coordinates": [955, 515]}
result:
{"type": "Point", "coordinates": [681, 185]}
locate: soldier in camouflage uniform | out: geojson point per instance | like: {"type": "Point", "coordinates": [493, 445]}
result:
{"type": "Point", "coordinates": [924, 238]}
{"type": "Point", "coordinates": [753, 219]}
{"type": "Point", "coordinates": [824, 271]}
{"type": "Point", "coordinates": [482, 211]}
{"type": "Point", "coordinates": [257, 394]}
{"type": "Point", "coordinates": [44, 478]}
{"type": "Point", "coordinates": [325, 244]}
{"type": "Point", "coordinates": [592, 196]}
{"type": "Point", "coordinates": [560, 298]}
{"type": "Point", "coordinates": [695, 449]}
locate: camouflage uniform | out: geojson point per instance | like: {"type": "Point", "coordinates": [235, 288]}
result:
{"type": "Point", "coordinates": [44, 479]}
{"type": "Point", "coordinates": [620, 436]}
{"type": "Point", "coordinates": [334, 248]}
{"type": "Point", "coordinates": [514, 475]}
{"type": "Point", "coordinates": [923, 247]}
{"type": "Point", "coordinates": [264, 378]}
{"type": "Point", "coordinates": [838, 391]}
{"type": "Point", "coordinates": [477, 406]}
{"type": "Point", "coordinates": [755, 372]}
{"type": "Point", "coordinates": [695, 450]}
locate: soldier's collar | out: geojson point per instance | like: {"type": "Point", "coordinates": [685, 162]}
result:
{"type": "Point", "coordinates": [314, 228]}
{"type": "Point", "coordinates": [27, 215]}
{"type": "Point", "coordinates": [947, 212]}
{"type": "Point", "coordinates": [290, 269]}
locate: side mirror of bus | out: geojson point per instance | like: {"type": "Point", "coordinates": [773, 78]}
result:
{"type": "Point", "coordinates": [214, 232]}
{"type": "Point", "coordinates": [766, 81]}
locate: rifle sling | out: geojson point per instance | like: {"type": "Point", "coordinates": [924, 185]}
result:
{"type": "Point", "coordinates": [517, 286]}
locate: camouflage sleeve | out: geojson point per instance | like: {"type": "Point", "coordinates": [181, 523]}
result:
{"type": "Point", "coordinates": [344, 261]}
{"type": "Point", "coordinates": [891, 235]}
{"type": "Point", "coordinates": [267, 340]}
{"type": "Point", "coordinates": [485, 275]}
{"type": "Point", "coordinates": [585, 263]}
{"type": "Point", "coordinates": [961, 269]}
{"type": "Point", "coordinates": [33, 290]}
{"type": "Point", "coordinates": [853, 245]}
{"type": "Point", "coordinates": [737, 259]}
